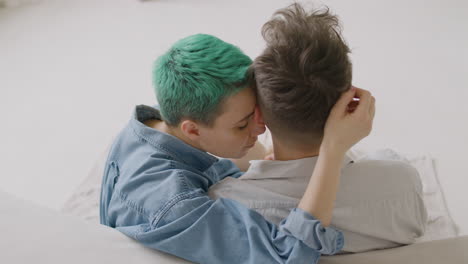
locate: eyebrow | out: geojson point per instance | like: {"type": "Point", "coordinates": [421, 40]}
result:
{"type": "Point", "coordinates": [246, 117]}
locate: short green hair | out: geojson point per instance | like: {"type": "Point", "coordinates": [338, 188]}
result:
{"type": "Point", "coordinates": [194, 76]}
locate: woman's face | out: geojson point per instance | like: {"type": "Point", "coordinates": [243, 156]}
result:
{"type": "Point", "coordinates": [234, 131]}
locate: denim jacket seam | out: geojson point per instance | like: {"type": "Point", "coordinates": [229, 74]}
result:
{"type": "Point", "coordinates": [219, 171]}
{"type": "Point", "coordinates": [183, 181]}
{"type": "Point", "coordinates": [167, 206]}
{"type": "Point", "coordinates": [156, 145]}
{"type": "Point", "coordinates": [131, 204]}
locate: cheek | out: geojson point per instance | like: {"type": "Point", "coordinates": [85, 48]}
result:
{"type": "Point", "coordinates": [237, 139]}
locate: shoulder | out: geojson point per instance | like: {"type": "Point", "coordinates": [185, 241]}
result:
{"type": "Point", "coordinates": [386, 173]}
{"type": "Point", "coordinates": [155, 191]}
{"type": "Point", "coordinates": [229, 187]}
{"type": "Point", "coordinates": [382, 166]}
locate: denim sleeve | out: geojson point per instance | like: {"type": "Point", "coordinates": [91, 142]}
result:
{"type": "Point", "coordinates": [226, 168]}
{"type": "Point", "coordinates": [224, 231]}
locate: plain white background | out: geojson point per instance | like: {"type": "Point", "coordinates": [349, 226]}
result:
{"type": "Point", "coordinates": [72, 71]}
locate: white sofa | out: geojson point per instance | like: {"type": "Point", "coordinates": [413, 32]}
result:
{"type": "Point", "coordinates": [35, 234]}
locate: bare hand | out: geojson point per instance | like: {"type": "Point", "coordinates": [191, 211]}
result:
{"type": "Point", "coordinates": [349, 121]}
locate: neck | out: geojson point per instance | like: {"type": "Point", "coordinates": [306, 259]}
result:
{"type": "Point", "coordinates": [289, 151]}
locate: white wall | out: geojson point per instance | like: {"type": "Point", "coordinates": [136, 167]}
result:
{"type": "Point", "coordinates": [71, 72]}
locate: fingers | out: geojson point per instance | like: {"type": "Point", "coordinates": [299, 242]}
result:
{"type": "Point", "coordinates": [365, 99]}
{"type": "Point", "coordinates": [365, 110]}
{"type": "Point", "coordinates": [364, 107]}
{"type": "Point", "coordinates": [342, 103]}
{"type": "Point", "coordinates": [372, 108]}
{"type": "Point", "coordinates": [352, 106]}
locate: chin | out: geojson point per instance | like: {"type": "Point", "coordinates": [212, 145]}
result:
{"type": "Point", "coordinates": [239, 154]}
{"type": "Point", "coordinates": [244, 153]}
{"type": "Point", "coordinates": [232, 155]}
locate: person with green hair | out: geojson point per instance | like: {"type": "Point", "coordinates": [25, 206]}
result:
{"type": "Point", "coordinates": [162, 163]}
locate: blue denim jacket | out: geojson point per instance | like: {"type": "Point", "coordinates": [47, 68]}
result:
{"type": "Point", "coordinates": [154, 190]}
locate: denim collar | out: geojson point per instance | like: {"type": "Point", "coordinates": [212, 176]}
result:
{"type": "Point", "coordinates": [169, 144]}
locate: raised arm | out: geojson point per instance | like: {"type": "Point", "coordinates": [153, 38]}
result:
{"type": "Point", "coordinates": [343, 129]}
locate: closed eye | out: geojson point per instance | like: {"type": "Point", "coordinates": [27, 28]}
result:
{"type": "Point", "coordinates": [243, 127]}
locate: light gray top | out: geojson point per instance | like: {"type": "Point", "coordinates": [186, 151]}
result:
{"type": "Point", "coordinates": [379, 203]}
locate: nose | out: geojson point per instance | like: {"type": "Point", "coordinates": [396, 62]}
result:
{"type": "Point", "coordinates": [257, 128]}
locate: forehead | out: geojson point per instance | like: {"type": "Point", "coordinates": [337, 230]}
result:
{"type": "Point", "coordinates": [237, 106]}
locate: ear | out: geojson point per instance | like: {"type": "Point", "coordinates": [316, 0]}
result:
{"type": "Point", "coordinates": [190, 129]}
{"type": "Point", "coordinates": [258, 117]}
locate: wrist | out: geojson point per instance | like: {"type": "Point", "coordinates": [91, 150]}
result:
{"type": "Point", "coordinates": [330, 148]}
